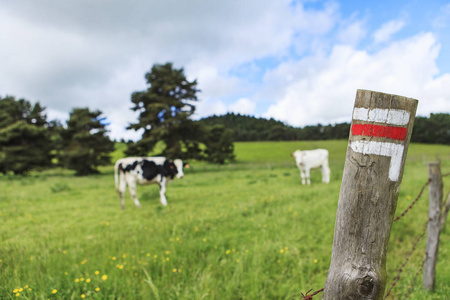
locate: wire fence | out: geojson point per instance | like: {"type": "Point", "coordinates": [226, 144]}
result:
{"type": "Point", "coordinates": [308, 296]}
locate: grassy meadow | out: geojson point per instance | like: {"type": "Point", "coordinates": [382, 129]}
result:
{"type": "Point", "coordinates": [244, 230]}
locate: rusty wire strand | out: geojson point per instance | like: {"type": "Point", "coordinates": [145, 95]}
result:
{"type": "Point", "coordinates": [414, 202]}
{"type": "Point", "coordinates": [309, 297]}
{"type": "Point", "coordinates": [415, 277]}
{"type": "Point", "coordinates": [406, 261]}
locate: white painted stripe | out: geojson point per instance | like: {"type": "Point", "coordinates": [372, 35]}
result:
{"type": "Point", "coordinates": [380, 115]}
{"type": "Point", "coordinates": [395, 151]}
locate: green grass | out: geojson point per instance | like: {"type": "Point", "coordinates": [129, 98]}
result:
{"type": "Point", "coordinates": [246, 230]}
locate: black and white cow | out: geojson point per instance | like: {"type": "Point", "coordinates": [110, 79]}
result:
{"type": "Point", "coordinates": [145, 170]}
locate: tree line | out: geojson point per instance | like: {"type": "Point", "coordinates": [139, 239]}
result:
{"type": "Point", "coordinates": [28, 141]}
{"type": "Point", "coordinates": [434, 129]}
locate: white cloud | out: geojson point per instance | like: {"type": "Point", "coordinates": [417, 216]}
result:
{"type": "Point", "coordinates": [69, 54]}
{"type": "Point", "coordinates": [352, 33]}
{"type": "Point", "coordinates": [443, 18]}
{"type": "Point", "coordinates": [326, 94]}
{"type": "Point", "coordinates": [387, 30]}
{"type": "Point", "coordinates": [243, 106]}
{"type": "Point", "coordinates": [210, 107]}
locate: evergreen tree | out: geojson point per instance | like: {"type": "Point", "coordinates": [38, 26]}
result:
{"type": "Point", "coordinates": [85, 145]}
{"type": "Point", "coordinates": [25, 142]}
{"type": "Point", "coordinates": [433, 130]}
{"type": "Point", "coordinates": [219, 144]}
{"type": "Point", "coordinates": [165, 110]}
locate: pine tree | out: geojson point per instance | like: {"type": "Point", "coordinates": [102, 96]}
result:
{"type": "Point", "coordinates": [219, 144]}
{"type": "Point", "coordinates": [85, 145]}
{"type": "Point", "coordinates": [165, 110]}
{"type": "Point", "coordinates": [25, 141]}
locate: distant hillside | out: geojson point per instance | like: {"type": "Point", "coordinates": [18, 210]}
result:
{"type": "Point", "coordinates": [249, 128]}
{"type": "Point", "coordinates": [433, 130]}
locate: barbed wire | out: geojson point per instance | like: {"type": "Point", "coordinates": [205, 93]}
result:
{"type": "Point", "coordinates": [415, 277]}
{"type": "Point", "coordinates": [406, 261]}
{"type": "Point", "coordinates": [394, 283]}
{"type": "Point", "coordinates": [414, 202]}
{"type": "Point", "coordinates": [309, 297]}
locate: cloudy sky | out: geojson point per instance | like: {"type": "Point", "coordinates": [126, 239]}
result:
{"type": "Point", "coordinates": [300, 62]}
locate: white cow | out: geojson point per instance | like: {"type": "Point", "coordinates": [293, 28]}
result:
{"type": "Point", "coordinates": [309, 159]}
{"type": "Point", "coordinates": [145, 170]}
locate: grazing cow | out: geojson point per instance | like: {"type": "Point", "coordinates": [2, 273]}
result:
{"type": "Point", "coordinates": [145, 170]}
{"type": "Point", "coordinates": [309, 159]}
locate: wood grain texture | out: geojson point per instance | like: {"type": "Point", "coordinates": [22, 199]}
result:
{"type": "Point", "coordinates": [434, 225]}
{"type": "Point", "coordinates": [367, 200]}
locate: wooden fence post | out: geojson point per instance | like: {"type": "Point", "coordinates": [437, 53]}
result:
{"type": "Point", "coordinates": [434, 224]}
{"type": "Point", "coordinates": [379, 138]}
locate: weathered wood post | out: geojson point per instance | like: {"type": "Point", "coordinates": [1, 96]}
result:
{"type": "Point", "coordinates": [379, 138]}
{"type": "Point", "coordinates": [435, 192]}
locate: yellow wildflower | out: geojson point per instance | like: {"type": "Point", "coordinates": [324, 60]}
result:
{"type": "Point", "coordinates": [97, 289]}
{"type": "Point", "coordinates": [97, 272]}
{"type": "Point", "coordinates": [54, 291]}
{"type": "Point", "coordinates": [83, 296]}
{"type": "Point", "coordinates": [88, 280]}
{"type": "Point", "coordinates": [104, 277]}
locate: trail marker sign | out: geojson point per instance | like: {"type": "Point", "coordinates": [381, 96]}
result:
{"type": "Point", "coordinates": [391, 119]}
{"type": "Point", "coordinates": [379, 138]}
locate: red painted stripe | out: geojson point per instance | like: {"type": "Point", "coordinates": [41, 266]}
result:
{"type": "Point", "coordinates": [390, 132]}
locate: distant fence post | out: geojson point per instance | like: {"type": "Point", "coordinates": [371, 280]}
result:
{"type": "Point", "coordinates": [379, 138]}
{"type": "Point", "coordinates": [434, 224]}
